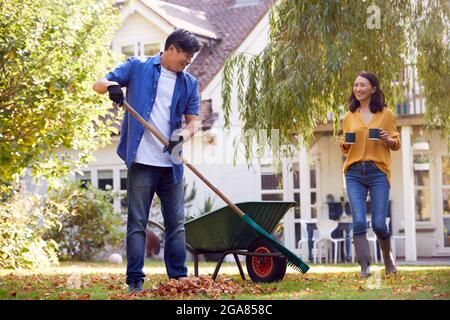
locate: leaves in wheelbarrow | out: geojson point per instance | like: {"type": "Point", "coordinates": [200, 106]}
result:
{"type": "Point", "coordinates": [201, 286]}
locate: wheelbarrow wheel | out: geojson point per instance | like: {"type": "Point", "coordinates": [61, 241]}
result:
{"type": "Point", "coordinates": [265, 269]}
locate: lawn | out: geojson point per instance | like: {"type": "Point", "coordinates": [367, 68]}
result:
{"type": "Point", "coordinates": [106, 281]}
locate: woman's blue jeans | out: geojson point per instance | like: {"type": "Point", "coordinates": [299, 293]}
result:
{"type": "Point", "coordinates": [143, 182]}
{"type": "Point", "coordinates": [363, 177]}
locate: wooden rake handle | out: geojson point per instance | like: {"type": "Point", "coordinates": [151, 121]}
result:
{"type": "Point", "coordinates": [163, 140]}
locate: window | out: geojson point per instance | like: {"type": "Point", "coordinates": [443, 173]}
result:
{"type": "Point", "coordinates": [123, 202]}
{"type": "Point", "coordinates": [297, 207]}
{"type": "Point", "coordinates": [422, 195]}
{"type": "Point", "coordinates": [108, 178]}
{"type": "Point", "coordinates": [313, 190]}
{"type": "Point", "coordinates": [270, 180]}
{"type": "Point", "coordinates": [123, 192]}
{"type": "Point", "coordinates": [105, 179]}
{"type": "Point", "coordinates": [271, 184]}
{"type": "Point", "coordinates": [272, 197]}
{"type": "Point", "coordinates": [298, 233]}
{"type": "Point", "coordinates": [128, 51]}
{"type": "Point", "coordinates": [123, 179]}
{"type": "Point", "coordinates": [84, 179]}
{"type": "Point", "coordinates": [421, 166]}
{"type": "Point", "coordinates": [150, 49]}
{"type": "Point", "coordinates": [139, 49]}
{"type": "Point", "coordinates": [313, 186]}
{"type": "Point", "coordinates": [312, 181]}
{"type": "Point", "coordinates": [313, 205]}
{"type": "Point", "coordinates": [446, 198]}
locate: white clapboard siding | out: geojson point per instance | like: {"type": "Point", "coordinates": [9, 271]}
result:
{"type": "Point", "coordinates": [237, 183]}
{"type": "Point", "coordinates": [136, 29]}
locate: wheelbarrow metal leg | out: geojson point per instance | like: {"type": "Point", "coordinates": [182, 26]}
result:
{"type": "Point", "coordinates": [236, 258]}
{"type": "Point", "coordinates": [195, 255]}
{"type": "Point", "coordinates": [196, 265]}
{"type": "Point", "coordinates": [219, 264]}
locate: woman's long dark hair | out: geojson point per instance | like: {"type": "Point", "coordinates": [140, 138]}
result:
{"type": "Point", "coordinates": [377, 102]}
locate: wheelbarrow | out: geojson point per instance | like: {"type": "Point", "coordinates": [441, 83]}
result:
{"type": "Point", "coordinates": [292, 259]}
{"type": "Point", "coordinates": [223, 232]}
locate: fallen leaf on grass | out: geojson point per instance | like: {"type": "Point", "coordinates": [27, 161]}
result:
{"type": "Point", "coordinates": [114, 287]}
{"type": "Point", "coordinates": [429, 288]}
{"type": "Point", "coordinates": [202, 285]}
{"type": "Point", "coordinates": [420, 288]}
{"type": "Point", "coordinates": [84, 296]}
{"type": "Point", "coordinates": [27, 288]}
{"type": "Point", "coordinates": [122, 296]}
{"type": "Point", "coordinates": [64, 295]}
{"type": "Point", "coordinates": [441, 295]}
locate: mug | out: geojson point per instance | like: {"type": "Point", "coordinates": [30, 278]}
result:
{"type": "Point", "coordinates": [374, 134]}
{"type": "Point", "coordinates": [350, 138]}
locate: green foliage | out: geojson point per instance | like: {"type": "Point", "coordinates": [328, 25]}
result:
{"type": "Point", "coordinates": [70, 223]}
{"type": "Point", "coordinates": [433, 63]}
{"type": "Point", "coordinates": [51, 51]}
{"type": "Point", "coordinates": [189, 197]}
{"type": "Point", "coordinates": [316, 49]}
{"type": "Point", "coordinates": [23, 221]}
{"type": "Point", "coordinates": [208, 205]}
{"type": "Point", "coordinates": [88, 221]}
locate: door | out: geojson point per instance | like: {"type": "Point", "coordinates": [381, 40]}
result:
{"type": "Point", "coordinates": [444, 231]}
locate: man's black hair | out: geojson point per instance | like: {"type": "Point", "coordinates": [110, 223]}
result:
{"type": "Point", "coordinates": [183, 40]}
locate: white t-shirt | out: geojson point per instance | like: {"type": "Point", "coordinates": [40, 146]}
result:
{"type": "Point", "coordinates": [150, 149]}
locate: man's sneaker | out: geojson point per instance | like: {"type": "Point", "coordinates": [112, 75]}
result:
{"type": "Point", "coordinates": [181, 279]}
{"type": "Point", "coordinates": [135, 286]}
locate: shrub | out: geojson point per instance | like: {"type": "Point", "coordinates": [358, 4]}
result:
{"type": "Point", "coordinates": [23, 221]}
{"type": "Point", "coordinates": [88, 225]}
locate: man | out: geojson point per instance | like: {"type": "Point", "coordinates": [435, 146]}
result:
{"type": "Point", "coordinates": [161, 91]}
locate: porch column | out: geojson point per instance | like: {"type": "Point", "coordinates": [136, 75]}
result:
{"type": "Point", "coordinates": [305, 194]}
{"type": "Point", "coordinates": [305, 185]}
{"type": "Point", "coordinates": [288, 220]}
{"type": "Point", "coordinates": [408, 195]}
{"type": "Point", "coordinates": [116, 188]}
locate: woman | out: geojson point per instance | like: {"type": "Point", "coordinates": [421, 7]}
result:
{"type": "Point", "coordinates": [368, 166]}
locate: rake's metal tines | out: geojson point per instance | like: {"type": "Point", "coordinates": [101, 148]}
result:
{"type": "Point", "coordinates": [296, 267]}
{"type": "Point", "coordinates": [293, 266]}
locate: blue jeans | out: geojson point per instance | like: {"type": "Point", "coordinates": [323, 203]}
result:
{"type": "Point", "coordinates": [362, 177]}
{"type": "Point", "coordinates": [142, 183]}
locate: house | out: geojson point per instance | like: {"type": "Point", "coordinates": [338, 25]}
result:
{"type": "Point", "coordinates": [420, 193]}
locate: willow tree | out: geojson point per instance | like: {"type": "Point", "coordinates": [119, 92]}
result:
{"type": "Point", "coordinates": [316, 49]}
{"type": "Point", "coordinates": [51, 51]}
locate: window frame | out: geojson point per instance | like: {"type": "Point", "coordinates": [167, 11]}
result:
{"type": "Point", "coordinates": [116, 181]}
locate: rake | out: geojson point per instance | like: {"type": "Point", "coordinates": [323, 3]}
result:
{"type": "Point", "coordinates": [293, 260]}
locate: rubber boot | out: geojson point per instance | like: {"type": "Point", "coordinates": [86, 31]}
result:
{"type": "Point", "coordinates": [389, 264]}
{"type": "Point", "coordinates": [362, 254]}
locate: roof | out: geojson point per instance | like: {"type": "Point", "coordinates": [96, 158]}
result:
{"type": "Point", "coordinates": [183, 17]}
{"type": "Point", "coordinates": [232, 24]}
{"type": "Point", "coordinates": [224, 22]}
